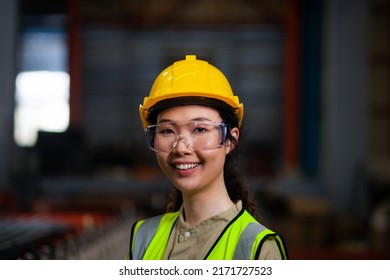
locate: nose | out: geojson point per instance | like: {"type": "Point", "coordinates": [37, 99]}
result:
{"type": "Point", "coordinates": [181, 139]}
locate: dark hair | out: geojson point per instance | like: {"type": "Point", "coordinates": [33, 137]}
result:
{"type": "Point", "coordinates": [236, 186]}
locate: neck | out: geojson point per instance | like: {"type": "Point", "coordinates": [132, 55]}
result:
{"type": "Point", "coordinates": [200, 207]}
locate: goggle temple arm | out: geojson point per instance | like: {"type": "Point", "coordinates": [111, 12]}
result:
{"type": "Point", "coordinates": [150, 134]}
{"type": "Point", "coordinates": [225, 131]}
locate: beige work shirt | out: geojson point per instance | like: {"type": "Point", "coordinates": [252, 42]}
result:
{"type": "Point", "coordinates": [193, 242]}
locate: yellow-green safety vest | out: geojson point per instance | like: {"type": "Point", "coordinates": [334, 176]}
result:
{"type": "Point", "coordinates": [241, 239]}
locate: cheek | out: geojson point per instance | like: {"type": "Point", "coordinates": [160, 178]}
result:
{"type": "Point", "coordinates": [215, 159]}
{"type": "Point", "coordinates": [162, 161]}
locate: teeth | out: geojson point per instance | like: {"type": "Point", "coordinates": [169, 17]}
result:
{"type": "Point", "coordinates": [186, 166]}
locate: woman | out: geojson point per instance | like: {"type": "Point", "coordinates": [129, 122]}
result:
{"type": "Point", "coordinates": [192, 121]}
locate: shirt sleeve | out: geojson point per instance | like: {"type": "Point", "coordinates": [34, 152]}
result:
{"type": "Point", "coordinates": [270, 250]}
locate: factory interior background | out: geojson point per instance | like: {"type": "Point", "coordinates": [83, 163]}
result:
{"type": "Point", "coordinates": [314, 76]}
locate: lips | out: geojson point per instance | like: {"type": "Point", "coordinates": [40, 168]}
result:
{"type": "Point", "coordinates": [186, 166]}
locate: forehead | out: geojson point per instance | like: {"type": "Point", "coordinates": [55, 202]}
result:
{"type": "Point", "coordinates": [189, 112]}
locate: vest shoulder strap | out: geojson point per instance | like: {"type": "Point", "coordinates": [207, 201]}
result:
{"type": "Point", "coordinates": [252, 239]}
{"type": "Point", "coordinates": [239, 240]}
{"type": "Point", "coordinates": [243, 250]}
{"type": "Point", "coordinates": [145, 234]}
{"type": "Point", "coordinates": [144, 231]}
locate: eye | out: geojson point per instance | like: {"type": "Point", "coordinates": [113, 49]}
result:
{"type": "Point", "coordinates": [165, 131]}
{"type": "Point", "coordinates": [200, 130]}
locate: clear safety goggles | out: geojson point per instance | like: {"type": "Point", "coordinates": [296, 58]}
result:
{"type": "Point", "coordinates": [196, 135]}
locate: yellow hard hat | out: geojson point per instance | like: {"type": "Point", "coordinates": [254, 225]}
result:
{"type": "Point", "coordinates": [190, 78]}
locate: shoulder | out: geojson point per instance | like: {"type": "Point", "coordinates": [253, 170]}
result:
{"type": "Point", "coordinates": [270, 249]}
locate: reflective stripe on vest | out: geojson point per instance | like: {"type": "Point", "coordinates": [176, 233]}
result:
{"type": "Point", "coordinates": [244, 246]}
{"type": "Point", "coordinates": [144, 245]}
{"type": "Point", "coordinates": [239, 240]}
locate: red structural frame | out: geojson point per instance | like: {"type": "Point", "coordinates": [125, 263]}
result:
{"type": "Point", "coordinates": [291, 98]}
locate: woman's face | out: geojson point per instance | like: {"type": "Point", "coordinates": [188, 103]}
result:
{"type": "Point", "coordinates": [188, 170]}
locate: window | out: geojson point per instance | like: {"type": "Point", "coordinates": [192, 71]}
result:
{"type": "Point", "coordinates": [42, 86]}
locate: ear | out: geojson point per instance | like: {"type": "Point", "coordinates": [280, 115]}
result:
{"type": "Point", "coordinates": [230, 145]}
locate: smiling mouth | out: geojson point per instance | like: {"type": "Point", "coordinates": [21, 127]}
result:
{"type": "Point", "coordinates": [186, 166]}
